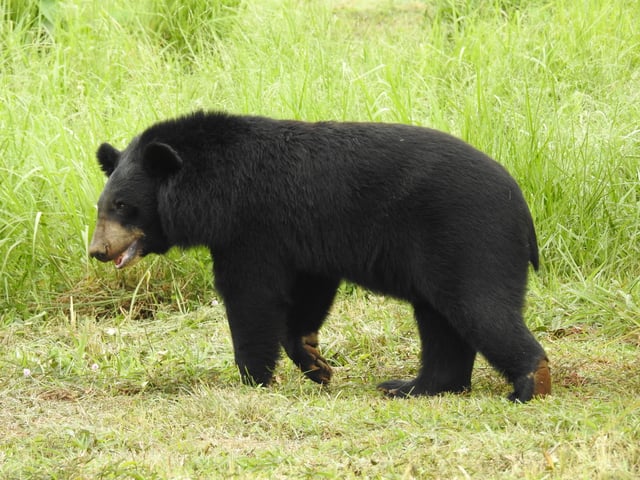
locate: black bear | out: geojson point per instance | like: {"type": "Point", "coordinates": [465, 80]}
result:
{"type": "Point", "coordinates": [288, 209]}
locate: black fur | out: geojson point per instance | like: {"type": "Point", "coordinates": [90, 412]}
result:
{"type": "Point", "coordinates": [288, 209]}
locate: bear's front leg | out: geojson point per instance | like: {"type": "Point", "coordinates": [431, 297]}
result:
{"type": "Point", "coordinates": [306, 355]}
{"type": "Point", "coordinates": [255, 330]}
{"type": "Point", "coordinates": [256, 304]}
{"type": "Point", "coordinates": [311, 299]}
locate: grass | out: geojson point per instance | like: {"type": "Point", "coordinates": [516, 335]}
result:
{"type": "Point", "coordinates": [131, 375]}
{"type": "Point", "coordinates": [160, 399]}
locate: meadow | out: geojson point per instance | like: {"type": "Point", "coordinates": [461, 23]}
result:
{"type": "Point", "coordinates": [130, 375]}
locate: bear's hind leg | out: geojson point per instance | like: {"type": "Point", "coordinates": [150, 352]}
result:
{"type": "Point", "coordinates": [512, 349]}
{"type": "Point", "coordinates": [447, 359]}
{"type": "Point", "coordinates": [497, 330]}
{"type": "Point", "coordinates": [311, 299]}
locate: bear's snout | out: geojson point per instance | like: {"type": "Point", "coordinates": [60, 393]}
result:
{"type": "Point", "coordinates": [112, 241]}
{"type": "Point", "coordinates": [99, 253]}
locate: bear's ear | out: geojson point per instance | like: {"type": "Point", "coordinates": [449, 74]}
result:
{"type": "Point", "coordinates": [160, 160]}
{"type": "Point", "coordinates": [107, 158]}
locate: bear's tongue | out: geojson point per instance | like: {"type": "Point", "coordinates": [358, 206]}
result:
{"type": "Point", "coordinates": [129, 254]}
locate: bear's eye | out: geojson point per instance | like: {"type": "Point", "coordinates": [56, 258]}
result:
{"type": "Point", "coordinates": [123, 210]}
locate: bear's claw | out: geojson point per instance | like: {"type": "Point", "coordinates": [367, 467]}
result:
{"type": "Point", "coordinates": [317, 369]}
{"type": "Point", "coordinates": [399, 388]}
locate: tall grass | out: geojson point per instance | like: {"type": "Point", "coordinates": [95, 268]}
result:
{"type": "Point", "coordinates": [551, 89]}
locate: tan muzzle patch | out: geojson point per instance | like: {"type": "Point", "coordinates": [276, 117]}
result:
{"type": "Point", "coordinates": [112, 241]}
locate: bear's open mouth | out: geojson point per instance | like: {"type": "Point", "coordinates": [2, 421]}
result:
{"type": "Point", "coordinates": [130, 255]}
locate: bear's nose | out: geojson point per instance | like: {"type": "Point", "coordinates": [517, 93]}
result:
{"type": "Point", "coordinates": [99, 252]}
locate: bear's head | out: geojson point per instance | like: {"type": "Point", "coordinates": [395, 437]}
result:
{"type": "Point", "coordinates": [129, 225]}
